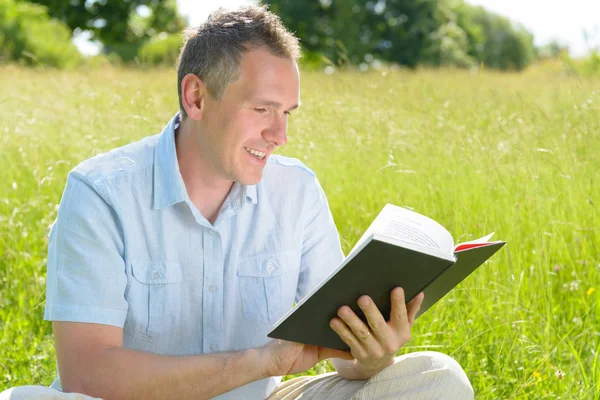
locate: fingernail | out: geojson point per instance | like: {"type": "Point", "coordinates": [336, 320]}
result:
{"type": "Point", "coordinates": [364, 302]}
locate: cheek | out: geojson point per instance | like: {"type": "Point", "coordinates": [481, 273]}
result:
{"type": "Point", "coordinates": [247, 129]}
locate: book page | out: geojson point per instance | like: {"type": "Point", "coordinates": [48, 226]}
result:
{"type": "Point", "coordinates": [403, 224]}
{"type": "Point", "coordinates": [403, 231]}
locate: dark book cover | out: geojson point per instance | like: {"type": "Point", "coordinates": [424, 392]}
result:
{"type": "Point", "coordinates": [467, 261]}
{"type": "Point", "coordinates": [375, 270]}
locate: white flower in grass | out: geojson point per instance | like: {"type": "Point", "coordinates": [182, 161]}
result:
{"type": "Point", "coordinates": [572, 286]}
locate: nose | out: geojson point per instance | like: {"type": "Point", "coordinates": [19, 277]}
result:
{"type": "Point", "coordinates": [276, 133]}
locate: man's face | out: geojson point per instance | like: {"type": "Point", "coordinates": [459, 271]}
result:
{"type": "Point", "coordinates": [243, 128]}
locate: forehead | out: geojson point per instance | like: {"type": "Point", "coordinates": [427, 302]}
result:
{"type": "Point", "coordinates": [261, 71]}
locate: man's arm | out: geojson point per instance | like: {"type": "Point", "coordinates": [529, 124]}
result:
{"type": "Point", "coordinates": [91, 360]}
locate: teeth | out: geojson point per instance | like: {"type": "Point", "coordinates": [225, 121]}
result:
{"type": "Point", "coordinates": [255, 153]}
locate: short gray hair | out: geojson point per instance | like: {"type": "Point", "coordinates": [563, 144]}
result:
{"type": "Point", "coordinates": [213, 50]}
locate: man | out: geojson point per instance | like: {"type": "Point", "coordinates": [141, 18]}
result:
{"type": "Point", "coordinates": [171, 257]}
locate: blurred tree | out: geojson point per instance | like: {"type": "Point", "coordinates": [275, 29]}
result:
{"type": "Point", "coordinates": [121, 26]}
{"type": "Point", "coordinates": [554, 49]}
{"type": "Point", "coordinates": [494, 40]}
{"type": "Point", "coordinates": [324, 28]}
{"type": "Point", "coordinates": [449, 44]}
{"type": "Point", "coordinates": [406, 32]}
{"type": "Point", "coordinates": [30, 37]}
{"type": "Point", "coordinates": [401, 28]}
{"type": "Point", "coordinates": [358, 30]}
{"type": "Point", "coordinates": [162, 49]}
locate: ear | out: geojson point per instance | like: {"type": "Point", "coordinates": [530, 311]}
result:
{"type": "Point", "coordinates": [193, 94]}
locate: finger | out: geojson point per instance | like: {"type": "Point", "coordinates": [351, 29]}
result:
{"type": "Point", "coordinates": [414, 306]}
{"type": "Point", "coordinates": [346, 335]}
{"type": "Point", "coordinates": [375, 320]}
{"type": "Point", "coordinates": [398, 316]}
{"type": "Point", "coordinates": [358, 327]}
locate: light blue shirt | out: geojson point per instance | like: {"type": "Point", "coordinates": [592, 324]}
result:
{"type": "Point", "coordinates": [129, 249]}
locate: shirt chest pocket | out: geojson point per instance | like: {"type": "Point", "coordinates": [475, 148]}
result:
{"type": "Point", "coordinates": [261, 283]}
{"type": "Point", "coordinates": [154, 297]}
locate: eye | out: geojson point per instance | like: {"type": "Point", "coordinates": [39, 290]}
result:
{"type": "Point", "coordinates": [260, 110]}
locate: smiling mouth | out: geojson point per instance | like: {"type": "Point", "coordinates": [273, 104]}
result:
{"type": "Point", "coordinates": [258, 154]}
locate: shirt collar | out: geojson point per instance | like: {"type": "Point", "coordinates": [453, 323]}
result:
{"type": "Point", "coordinates": [169, 188]}
{"type": "Point", "coordinates": [251, 193]}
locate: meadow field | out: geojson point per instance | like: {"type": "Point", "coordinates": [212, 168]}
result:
{"type": "Point", "coordinates": [515, 154]}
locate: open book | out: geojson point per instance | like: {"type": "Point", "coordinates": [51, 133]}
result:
{"type": "Point", "coordinates": [400, 248]}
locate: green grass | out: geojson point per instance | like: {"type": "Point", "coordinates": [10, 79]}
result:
{"type": "Point", "coordinates": [514, 154]}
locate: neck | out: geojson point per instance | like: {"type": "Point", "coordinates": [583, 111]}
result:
{"type": "Point", "coordinates": [206, 189]}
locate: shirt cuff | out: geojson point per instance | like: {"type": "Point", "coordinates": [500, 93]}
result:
{"type": "Point", "coordinates": [58, 312]}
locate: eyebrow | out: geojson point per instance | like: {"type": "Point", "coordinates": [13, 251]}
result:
{"type": "Point", "coordinates": [276, 104]}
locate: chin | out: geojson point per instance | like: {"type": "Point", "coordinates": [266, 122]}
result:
{"type": "Point", "coordinates": [250, 179]}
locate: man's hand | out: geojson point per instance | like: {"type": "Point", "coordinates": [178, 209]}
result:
{"type": "Point", "coordinates": [375, 345]}
{"type": "Point", "coordinates": [282, 358]}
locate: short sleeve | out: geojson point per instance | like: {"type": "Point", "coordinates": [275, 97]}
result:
{"type": "Point", "coordinates": [86, 276]}
{"type": "Point", "coordinates": [321, 249]}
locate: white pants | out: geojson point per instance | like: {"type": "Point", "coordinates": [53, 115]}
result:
{"type": "Point", "coordinates": [414, 376]}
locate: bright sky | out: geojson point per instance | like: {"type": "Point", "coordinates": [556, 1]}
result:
{"type": "Point", "coordinates": [563, 20]}
{"type": "Point", "coordinates": [198, 10]}
{"type": "Point", "coordinates": [552, 19]}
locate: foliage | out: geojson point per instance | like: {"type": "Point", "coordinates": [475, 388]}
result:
{"type": "Point", "coordinates": [409, 33]}
{"type": "Point", "coordinates": [449, 44]}
{"type": "Point", "coordinates": [589, 66]}
{"type": "Point", "coordinates": [162, 49]}
{"type": "Point", "coordinates": [495, 41]}
{"type": "Point", "coordinates": [592, 64]}
{"type": "Point", "coordinates": [118, 25]}
{"type": "Point", "coordinates": [553, 49]}
{"type": "Point", "coordinates": [394, 31]}
{"type": "Point", "coordinates": [29, 36]}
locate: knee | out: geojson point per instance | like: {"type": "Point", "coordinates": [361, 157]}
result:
{"type": "Point", "coordinates": [37, 392]}
{"type": "Point", "coordinates": [434, 373]}
{"type": "Point", "coordinates": [28, 392]}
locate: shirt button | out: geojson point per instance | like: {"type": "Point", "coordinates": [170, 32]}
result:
{"type": "Point", "coordinates": [212, 288]}
{"type": "Point", "coordinates": [155, 275]}
{"type": "Point", "coordinates": [213, 347]}
{"type": "Point", "coordinates": [270, 268]}
{"type": "Point", "coordinates": [212, 233]}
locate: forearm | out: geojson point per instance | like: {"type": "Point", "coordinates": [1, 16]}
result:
{"type": "Point", "coordinates": [127, 374]}
{"type": "Point", "coordinates": [353, 370]}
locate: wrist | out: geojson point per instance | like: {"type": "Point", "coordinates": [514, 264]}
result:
{"type": "Point", "coordinates": [357, 370]}
{"type": "Point", "coordinates": [254, 361]}
{"type": "Point", "coordinates": [260, 361]}
{"type": "Point", "coordinates": [370, 370]}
